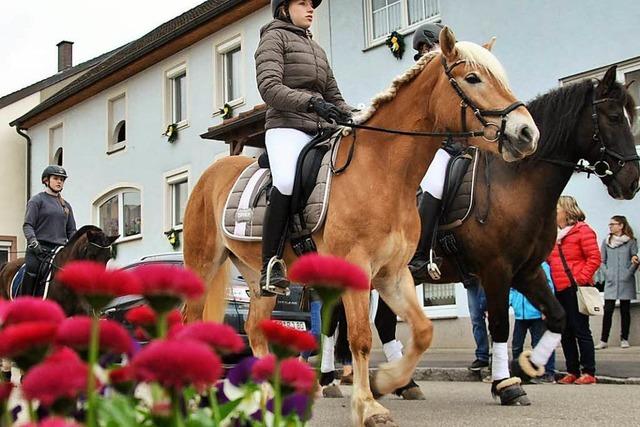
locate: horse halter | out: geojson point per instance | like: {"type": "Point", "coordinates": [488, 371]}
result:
{"type": "Point", "coordinates": [481, 115]}
{"type": "Point", "coordinates": [601, 168]}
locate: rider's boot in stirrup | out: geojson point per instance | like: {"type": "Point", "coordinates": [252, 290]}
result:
{"type": "Point", "coordinates": [273, 278]}
{"type": "Point", "coordinates": [28, 285]}
{"type": "Point", "coordinates": [424, 261]}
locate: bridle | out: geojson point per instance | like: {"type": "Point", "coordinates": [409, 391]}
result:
{"type": "Point", "coordinates": [601, 168]}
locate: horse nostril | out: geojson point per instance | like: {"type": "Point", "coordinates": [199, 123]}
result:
{"type": "Point", "coordinates": [525, 134]}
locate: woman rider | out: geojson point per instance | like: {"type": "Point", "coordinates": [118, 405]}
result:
{"type": "Point", "coordinates": [48, 223]}
{"type": "Point", "coordinates": [296, 82]}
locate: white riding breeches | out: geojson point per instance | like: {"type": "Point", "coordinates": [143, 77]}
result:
{"type": "Point", "coordinates": [433, 181]}
{"type": "Point", "coordinates": [284, 146]}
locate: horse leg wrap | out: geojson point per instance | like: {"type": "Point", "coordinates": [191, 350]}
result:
{"type": "Point", "coordinates": [527, 367]}
{"type": "Point", "coordinates": [510, 392]}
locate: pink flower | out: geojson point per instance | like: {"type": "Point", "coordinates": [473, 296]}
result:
{"type": "Point", "coordinates": [75, 331]}
{"type": "Point", "coordinates": [328, 271]}
{"type": "Point", "coordinates": [53, 422]}
{"type": "Point", "coordinates": [297, 341]}
{"type": "Point", "coordinates": [91, 278]}
{"type": "Point", "coordinates": [122, 375]}
{"type": "Point", "coordinates": [222, 338]}
{"type": "Point", "coordinates": [61, 376]}
{"type": "Point", "coordinates": [263, 368]}
{"type": "Point", "coordinates": [24, 337]}
{"type": "Point", "coordinates": [141, 316]}
{"type": "Point", "coordinates": [5, 391]}
{"type": "Point", "coordinates": [165, 279]}
{"type": "Point", "coordinates": [176, 364]}
{"type": "Point", "coordinates": [30, 309]}
{"type": "Point", "coordinates": [297, 375]}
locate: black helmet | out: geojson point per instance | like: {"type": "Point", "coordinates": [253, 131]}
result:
{"type": "Point", "coordinates": [427, 33]}
{"type": "Point", "coordinates": [53, 170]}
{"type": "Point", "coordinates": [275, 4]}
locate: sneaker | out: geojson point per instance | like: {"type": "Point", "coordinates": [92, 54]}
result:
{"type": "Point", "coordinates": [601, 345]}
{"type": "Point", "coordinates": [568, 379]}
{"type": "Point", "coordinates": [478, 365]}
{"type": "Point", "coordinates": [585, 379]}
{"type": "Point", "coordinates": [624, 344]}
{"type": "Point", "coordinates": [548, 379]}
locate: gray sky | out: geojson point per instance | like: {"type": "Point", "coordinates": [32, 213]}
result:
{"type": "Point", "coordinates": [30, 30]}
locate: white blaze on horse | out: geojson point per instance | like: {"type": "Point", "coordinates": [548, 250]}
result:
{"type": "Point", "coordinates": [372, 220]}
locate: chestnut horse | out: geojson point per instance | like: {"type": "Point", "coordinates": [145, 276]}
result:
{"type": "Point", "coordinates": [372, 220]}
{"type": "Point", "coordinates": [88, 243]}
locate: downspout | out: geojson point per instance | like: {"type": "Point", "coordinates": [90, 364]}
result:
{"type": "Point", "coordinates": [28, 138]}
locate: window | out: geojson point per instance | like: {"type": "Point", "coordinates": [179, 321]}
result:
{"type": "Point", "coordinates": [7, 248]}
{"type": "Point", "coordinates": [228, 70]}
{"type": "Point", "coordinates": [55, 145]}
{"type": "Point", "coordinates": [385, 16]}
{"type": "Point", "coordinates": [117, 133]}
{"type": "Point", "coordinates": [177, 193]}
{"type": "Point", "coordinates": [176, 96]}
{"type": "Point", "coordinates": [119, 213]}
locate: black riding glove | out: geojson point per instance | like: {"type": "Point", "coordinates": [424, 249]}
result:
{"type": "Point", "coordinates": [328, 111]}
{"type": "Point", "coordinates": [36, 248]}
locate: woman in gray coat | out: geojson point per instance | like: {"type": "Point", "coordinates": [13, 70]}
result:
{"type": "Point", "coordinates": [296, 82]}
{"type": "Point", "coordinates": [619, 263]}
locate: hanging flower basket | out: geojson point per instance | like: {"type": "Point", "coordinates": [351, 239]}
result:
{"type": "Point", "coordinates": [395, 42]}
{"type": "Point", "coordinates": [226, 112]}
{"type": "Point", "coordinates": [171, 133]}
{"type": "Point", "coordinates": [173, 237]}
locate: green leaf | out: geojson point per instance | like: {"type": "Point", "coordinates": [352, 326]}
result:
{"type": "Point", "coordinates": [200, 418]}
{"type": "Point", "coordinates": [117, 411]}
{"type": "Point", "coordinates": [228, 408]}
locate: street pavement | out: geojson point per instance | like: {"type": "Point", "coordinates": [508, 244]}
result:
{"type": "Point", "coordinates": [471, 404]}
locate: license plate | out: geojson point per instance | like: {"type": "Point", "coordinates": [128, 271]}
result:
{"type": "Point", "coordinates": [293, 324]}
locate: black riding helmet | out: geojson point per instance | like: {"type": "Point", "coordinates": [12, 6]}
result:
{"type": "Point", "coordinates": [426, 33]}
{"type": "Point", "coordinates": [53, 170]}
{"type": "Point", "coordinates": [275, 4]}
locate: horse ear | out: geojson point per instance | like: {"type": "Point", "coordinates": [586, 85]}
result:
{"type": "Point", "coordinates": [448, 43]}
{"type": "Point", "coordinates": [489, 45]}
{"type": "Point", "coordinates": [608, 80]}
{"type": "Point", "coordinates": [111, 239]}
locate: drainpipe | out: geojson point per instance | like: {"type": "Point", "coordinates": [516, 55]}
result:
{"type": "Point", "coordinates": [28, 138]}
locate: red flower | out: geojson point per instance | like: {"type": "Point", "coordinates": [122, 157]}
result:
{"type": "Point", "coordinates": [30, 309]}
{"type": "Point", "coordinates": [53, 422]}
{"type": "Point", "coordinates": [174, 318]}
{"type": "Point", "coordinates": [222, 338]}
{"type": "Point", "coordinates": [329, 271]}
{"type": "Point", "coordinates": [75, 331]}
{"type": "Point", "coordinates": [165, 279]}
{"type": "Point", "coordinates": [122, 375]}
{"type": "Point", "coordinates": [91, 278]}
{"type": "Point", "coordinates": [175, 364]}
{"type": "Point", "coordinates": [289, 338]}
{"type": "Point", "coordinates": [23, 337]}
{"type": "Point", "coordinates": [141, 316]}
{"type": "Point", "coordinates": [62, 375]}
{"type": "Point", "coordinates": [5, 391]}
{"type": "Point", "coordinates": [263, 368]}
{"type": "Point", "coordinates": [298, 375]}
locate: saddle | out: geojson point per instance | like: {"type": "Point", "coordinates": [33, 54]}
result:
{"type": "Point", "coordinates": [43, 278]}
{"type": "Point", "coordinates": [247, 201]}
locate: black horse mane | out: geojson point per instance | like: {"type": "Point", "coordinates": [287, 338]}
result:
{"type": "Point", "coordinates": [81, 232]}
{"type": "Point", "coordinates": [557, 114]}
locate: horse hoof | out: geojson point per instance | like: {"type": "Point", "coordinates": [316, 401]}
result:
{"type": "Point", "coordinates": [510, 392]}
{"type": "Point", "coordinates": [372, 385]}
{"type": "Point", "coordinates": [380, 420]}
{"type": "Point", "coordinates": [332, 391]}
{"type": "Point", "coordinates": [413, 393]}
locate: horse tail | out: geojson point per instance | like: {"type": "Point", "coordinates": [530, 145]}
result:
{"type": "Point", "coordinates": [215, 299]}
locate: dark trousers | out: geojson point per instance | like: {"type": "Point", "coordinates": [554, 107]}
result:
{"type": "Point", "coordinates": [386, 322]}
{"type": "Point", "coordinates": [577, 341]}
{"type": "Point", "coordinates": [32, 267]}
{"type": "Point", "coordinates": [625, 318]}
{"type": "Point", "coordinates": [537, 328]}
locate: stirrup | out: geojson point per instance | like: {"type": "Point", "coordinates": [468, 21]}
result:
{"type": "Point", "coordinates": [275, 289]}
{"type": "Point", "coordinates": [432, 267]}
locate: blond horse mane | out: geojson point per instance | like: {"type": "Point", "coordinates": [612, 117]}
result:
{"type": "Point", "coordinates": [472, 53]}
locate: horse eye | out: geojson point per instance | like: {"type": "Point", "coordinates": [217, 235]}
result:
{"type": "Point", "coordinates": [472, 79]}
{"type": "Point", "coordinates": [615, 118]}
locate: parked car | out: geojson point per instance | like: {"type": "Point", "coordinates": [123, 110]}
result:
{"type": "Point", "coordinates": [288, 309]}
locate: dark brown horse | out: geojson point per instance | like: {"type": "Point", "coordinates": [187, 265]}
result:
{"type": "Point", "coordinates": [88, 243]}
{"type": "Point", "coordinates": [580, 121]}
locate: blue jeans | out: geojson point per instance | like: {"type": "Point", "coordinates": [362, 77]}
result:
{"type": "Point", "coordinates": [316, 324]}
{"type": "Point", "coordinates": [477, 308]}
{"type": "Point", "coordinates": [537, 329]}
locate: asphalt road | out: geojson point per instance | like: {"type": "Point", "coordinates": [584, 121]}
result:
{"type": "Point", "coordinates": [470, 404]}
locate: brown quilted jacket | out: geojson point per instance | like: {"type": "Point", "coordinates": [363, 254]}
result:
{"type": "Point", "coordinates": [291, 68]}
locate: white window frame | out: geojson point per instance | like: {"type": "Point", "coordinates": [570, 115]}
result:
{"type": "Point", "coordinates": [54, 149]}
{"type": "Point", "coordinates": [219, 67]}
{"type": "Point", "coordinates": [8, 247]}
{"type": "Point", "coordinates": [170, 178]}
{"type": "Point", "coordinates": [405, 28]}
{"type": "Point", "coordinates": [169, 76]}
{"type": "Point", "coordinates": [112, 146]}
{"type": "Point", "coordinates": [118, 190]}
{"type": "Point", "coordinates": [623, 68]}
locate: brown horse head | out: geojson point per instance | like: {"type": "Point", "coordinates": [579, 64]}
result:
{"type": "Point", "coordinates": [476, 73]}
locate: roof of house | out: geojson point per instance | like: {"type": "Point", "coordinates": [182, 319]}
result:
{"type": "Point", "coordinates": [137, 49]}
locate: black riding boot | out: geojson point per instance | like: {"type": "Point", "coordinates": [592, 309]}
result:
{"type": "Point", "coordinates": [420, 266]}
{"type": "Point", "coordinates": [28, 285]}
{"type": "Point", "coordinates": [274, 234]}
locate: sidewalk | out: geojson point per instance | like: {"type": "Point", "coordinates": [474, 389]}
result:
{"type": "Point", "coordinates": [451, 364]}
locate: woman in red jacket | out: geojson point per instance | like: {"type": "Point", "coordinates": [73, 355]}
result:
{"type": "Point", "coordinates": [577, 242]}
